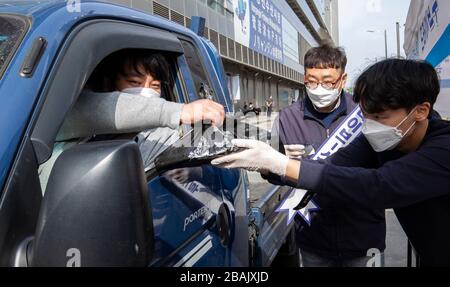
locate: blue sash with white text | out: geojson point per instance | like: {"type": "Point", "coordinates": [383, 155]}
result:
{"type": "Point", "coordinates": [347, 131]}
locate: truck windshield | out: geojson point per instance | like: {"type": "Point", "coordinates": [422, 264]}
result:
{"type": "Point", "coordinates": [12, 30]}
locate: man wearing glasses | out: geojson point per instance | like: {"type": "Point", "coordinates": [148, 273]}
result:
{"type": "Point", "coordinates": [337, 236]}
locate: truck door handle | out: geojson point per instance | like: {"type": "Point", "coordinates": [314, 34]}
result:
{"type": "Point", "coordinates": [32, 59]}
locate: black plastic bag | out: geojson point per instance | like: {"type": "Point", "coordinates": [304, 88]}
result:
{"type": "Point", "coordinates": [196, 149]}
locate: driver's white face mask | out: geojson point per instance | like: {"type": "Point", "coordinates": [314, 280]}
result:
{"type": "Point", "coordinates": [147, 92]}
{"type": "Point", "coordinates": [383, 137]}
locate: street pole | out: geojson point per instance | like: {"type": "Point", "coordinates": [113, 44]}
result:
{"type": "Point", "coordinates": [385, 41]}
{"type": "Point", "coordinates": [398, 40]}
{"type": "Point", "coordinates": [385, 44]}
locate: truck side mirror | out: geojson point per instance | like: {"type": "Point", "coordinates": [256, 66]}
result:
{"type": "Point", "coordinates": [96, 211]}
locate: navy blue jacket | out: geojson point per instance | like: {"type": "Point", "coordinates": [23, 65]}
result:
{"type": "Point", "coordinates": [337, 232]}
{"type": "Point", "coordinates": [416, 185]}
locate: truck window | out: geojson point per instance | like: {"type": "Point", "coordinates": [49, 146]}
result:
{"type": "Point", "coordinates": [151, 142]}
{"type": "Point", "coordinates": [12, 30]}
{"type": "Point", "coordinates": [202, 84]}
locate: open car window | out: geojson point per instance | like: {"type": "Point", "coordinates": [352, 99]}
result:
{"type": "Point", "coordinates": [202, 84]}
{"type": "Point", "coordinates": [151, 142]}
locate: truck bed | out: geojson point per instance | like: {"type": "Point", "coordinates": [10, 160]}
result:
{"type": "Point", "coordinates": [265, 196]}
{"type": "Point", "coordinates": [269, 228]}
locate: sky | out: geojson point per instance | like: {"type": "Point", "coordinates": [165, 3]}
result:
{"type": "Point", "coordinates": [356, 17]}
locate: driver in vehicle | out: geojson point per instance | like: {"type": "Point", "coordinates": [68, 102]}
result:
{"type": "Point", "coordinates": [130, 95]}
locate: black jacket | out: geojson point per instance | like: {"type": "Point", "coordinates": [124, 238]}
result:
{"type": "Point", "coordinates": [416, 185]}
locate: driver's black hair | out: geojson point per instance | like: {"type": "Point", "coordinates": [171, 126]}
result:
{"type": "Point", "coordinates": [105, 75]}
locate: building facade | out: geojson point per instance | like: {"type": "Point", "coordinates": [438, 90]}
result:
{"type": "Point", "coordinates": [427, 37]}
{"type": "Point", "coordinates": [262, 42]}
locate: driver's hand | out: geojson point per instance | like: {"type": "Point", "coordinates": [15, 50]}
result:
{"type": "Point", "coordinates": [203, 111]}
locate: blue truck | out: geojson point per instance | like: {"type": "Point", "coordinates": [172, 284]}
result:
{"type": "Point", "coordinates": [101, 207]}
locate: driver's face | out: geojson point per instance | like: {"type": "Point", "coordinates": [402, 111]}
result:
{"type": "Point", "coordinates": [137, 79]}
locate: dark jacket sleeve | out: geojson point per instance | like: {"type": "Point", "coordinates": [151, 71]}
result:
{"type": "Point", "coordinates": [415, 177]}
{"type": "Point", "coordinates": [359, 153]}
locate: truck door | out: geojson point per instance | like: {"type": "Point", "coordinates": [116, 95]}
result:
{"type": "Point", "coordinates": [187, 204]}
{"type": "Point", "coordinates": [190, 218]}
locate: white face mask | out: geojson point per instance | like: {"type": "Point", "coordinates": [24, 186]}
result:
{"type": "Point", "coordinates": [147, 92]}
{"type": "Point", "coordinates": [383, 137]}
{"type": "Point", "coordinates": [321, 97]}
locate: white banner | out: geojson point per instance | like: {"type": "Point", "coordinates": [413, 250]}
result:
{"type": "Point", "coordinates": [236, 87]}
{"type": "Point", "coordinates": [241, 9]}
{"type": "Point", "coordinates": [427, 37]}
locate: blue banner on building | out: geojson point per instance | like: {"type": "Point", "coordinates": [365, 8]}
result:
{"type": "Point", "coordinates": [266, 36]}
{"type": "Point", "coordinates": [258, 25]}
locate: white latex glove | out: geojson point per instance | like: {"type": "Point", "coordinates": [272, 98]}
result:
{"type": "Point", "coordinates": [259, 157]}
{"type": "Point", "coordinates": [295, 151]}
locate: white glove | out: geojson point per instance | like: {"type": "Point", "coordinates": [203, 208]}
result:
{"type": "Point", "coordinates": [295, 151]}
{"type": "Point", "coordinates": [259, 157]}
